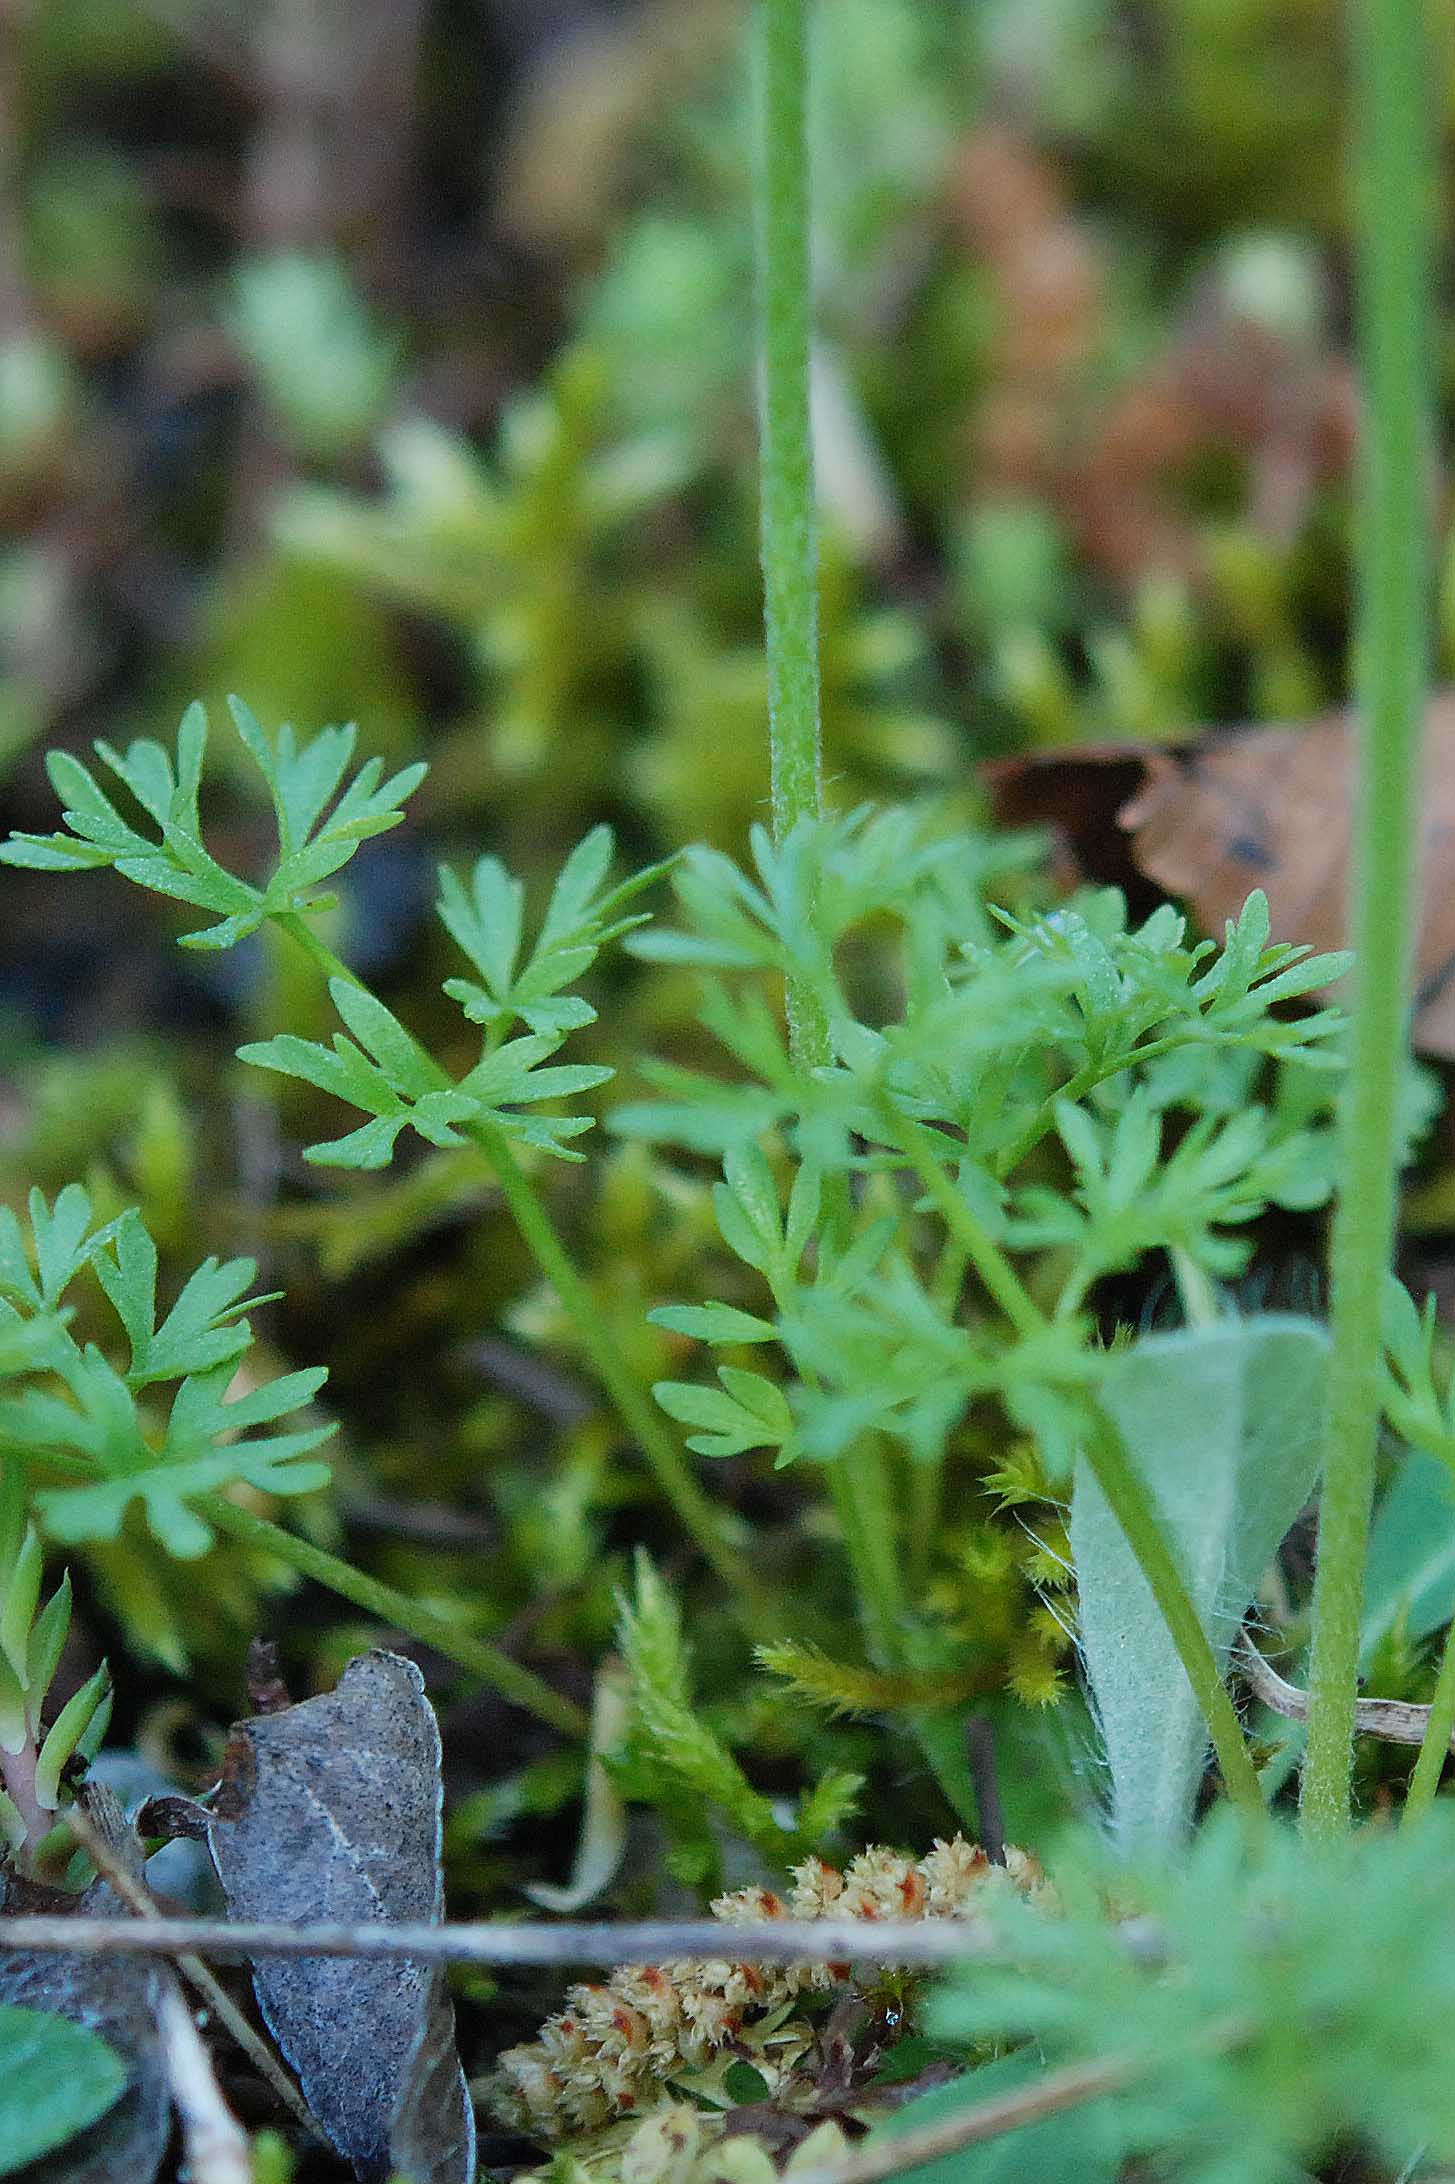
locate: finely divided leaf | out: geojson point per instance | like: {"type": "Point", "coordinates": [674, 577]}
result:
{"type": "Point", "coordinates": [302, 781]}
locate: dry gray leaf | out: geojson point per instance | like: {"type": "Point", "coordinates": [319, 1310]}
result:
{"type": "Point", "coordinates": [118, 1997]}
{"type": "Point", "coordinates": [331, 1810]}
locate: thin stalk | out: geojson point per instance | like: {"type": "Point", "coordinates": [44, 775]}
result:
{"type": "Point", "coordinates": [701, 1520]}
{"type": "Point", "coordinates": [788, 525]}
{"type": "Point", "coordinates": [517, 1684]}
{"type": "Point", "coordinates": [658, 1444]}
{"type": "Point", "coordinates": [926, 1487]}
{"type": "Point", "coordinates": [789, 542]}
{"type": "Point", "coordinates": [860, 1495]}
{"type": "Point", "coordinates": [1196, 1290]}
{"type": "Point", "coordinates": [1394, 171]}
{"type": "Point", "coordinates": [925, 1151]}
{"type": "Point", "coordinates": [1075, 1088]}
{"type": "Point", "coordinates": [1129, 1503]}
{"type": "Point", "coordinates": [1435, 1749]}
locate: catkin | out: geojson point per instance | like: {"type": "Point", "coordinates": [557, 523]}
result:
{"type": "Point", "coordinates": [614, 2048]}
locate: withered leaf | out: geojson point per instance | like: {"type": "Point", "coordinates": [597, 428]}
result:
{"type": "Point", "coordinates": [118, 1997]}
{"type": "Point", "coordinates": [330, 1809]}
{"type": "Point", "coordinates": [1256, 807]}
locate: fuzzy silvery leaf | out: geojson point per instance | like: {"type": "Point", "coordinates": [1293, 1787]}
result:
{"type": "Point", "coordinates": [1223, 1426]}
{"type": "Point", "coordinates": [330, 1809]}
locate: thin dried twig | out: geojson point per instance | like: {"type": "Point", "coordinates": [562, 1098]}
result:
{"type": "Point", "coordinates": [1073, 2086]}
{"type": "Point", "coordinates": [1052, 2095]}
{"type": "Point", "coordinates": [216, 2144]}
{"type": "Point", "coordinates": [785, 1941]}
{"type": "Point", "coordinates": [138, 1898]}
{"type": "Point", "coordinates": [1397, 1721]}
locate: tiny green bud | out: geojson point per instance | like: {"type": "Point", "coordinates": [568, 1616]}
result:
{"type": "Point", "coordinates": [20, 1597]}
{"type": "Point", "coordinates": [66, 1733]}
{"type": "Point", "coordinates": [47, 1637]}
{"type": "Point", "coordinates": [13, 1726]}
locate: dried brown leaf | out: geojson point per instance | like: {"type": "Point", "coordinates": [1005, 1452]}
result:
{"type": "Point", "coordinates": [330, 1809]}
{"type": "Point", "coordinates": [1255, 807]}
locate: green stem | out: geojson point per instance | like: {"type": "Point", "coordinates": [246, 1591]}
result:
{"type": "Point", "coordinates": [860, 1489]}
{"type": "Point", "coordinates": [519, 1685]}
{"type": "Point", "coordinates": [1435, 1749]}
{"type": "Point", "coordinates": [926, 1151]}
{"type": "Point", "coordinates": [669, 1466]}
{"type": "Point", "coordinates": [1131, 1505]}
{"type": "Point", "coordinates": [635, 1406]}
{"type": "Point", "coordinates": [1076, 1087]}
{"type": "Point", "coordinates": [790, 621]}
{"type": "Point", "coordinates": [1196, 1289]}
{"type": "Point", "coordinates": [788, 526]}
{"type": "Point", "coordinates": [1395, 180]}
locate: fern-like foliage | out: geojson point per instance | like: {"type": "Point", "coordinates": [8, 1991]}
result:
{"type": "Point", "coordinates": [375, 1064]}
{"type": "Point", "coordinates": [318, 827]}
{"type": "Point", "coordinates": [1200, 1982]}
{"type": "Point", "coordinates": [382, 1068]}
{"type": "Point", "coordinates": [93, 1430]}
{"type": "Point", "coordinates": [1089, 1090]}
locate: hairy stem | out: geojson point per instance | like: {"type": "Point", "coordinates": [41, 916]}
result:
{"type": "Point", "coordinates": [1130, 1504]}
{"type": "Point", "coordinates": [519, 1685]}
{"type": "Point", "coordinates": [788, 522]}
{"type": "Point", "coordinates": [633, 1403]}
{"type": "Point", "coordinates": [1394, 178]}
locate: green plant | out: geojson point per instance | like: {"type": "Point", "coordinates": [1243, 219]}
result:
{"type": "Point", "coordinates": [1392, 176]}
{"type": "Point", "coordinates": [33, 1759]}
{"type": "Point", "coordinates": [953, 1115]}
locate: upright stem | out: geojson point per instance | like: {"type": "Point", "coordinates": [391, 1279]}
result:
{"type": "Point", "coordinates": [1394, 174]}
{"type": "Point", "coordinates": [789, 527]}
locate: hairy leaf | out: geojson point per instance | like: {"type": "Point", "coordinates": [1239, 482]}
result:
{"type": "Point", "coordinates": [1223, 1426]}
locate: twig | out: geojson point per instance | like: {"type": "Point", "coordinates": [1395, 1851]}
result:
{"type": "Point", "coordinates": [138, 1898]}
{"type": "Point", "coordinates": [785, 1941]}
{"type": "Point", "coordinates": [1397, 1721]}
{"type": "Point", "coordinates": [215, 2143]}
{"type": "Point", "coordinates": [1052, 2095]}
